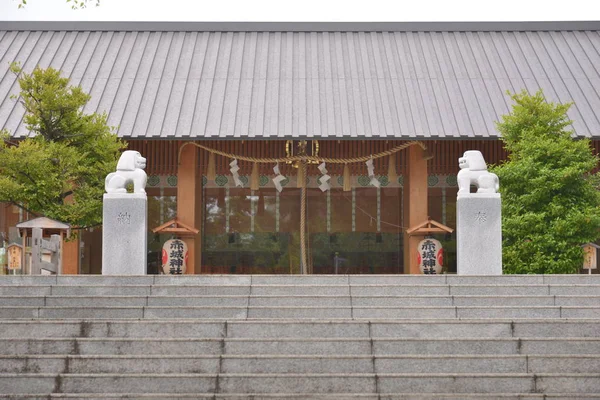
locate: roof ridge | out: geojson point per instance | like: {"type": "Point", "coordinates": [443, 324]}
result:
{"type": "Point", "coordinates": [232, 26]}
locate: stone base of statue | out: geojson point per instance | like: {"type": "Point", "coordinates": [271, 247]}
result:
{"type": "Point", "coordinates": [479, 234]}
{"type": "Point", "coordinates": [124, 234]}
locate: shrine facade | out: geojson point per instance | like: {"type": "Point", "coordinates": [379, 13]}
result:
{"type": "Point", "coordinates": [193, 97]}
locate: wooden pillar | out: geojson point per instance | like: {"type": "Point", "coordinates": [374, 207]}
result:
{"type": "Point", "coordinates": [189, 203]}
{"type": "Point", "coordinates": [24, 265]}
{"type": "Point", "coordinates": [415, 204]}
{"type": "Point", "coordinates": [70, 256]}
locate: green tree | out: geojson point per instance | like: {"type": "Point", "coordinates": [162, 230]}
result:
{"type": "Point", "coordinates": [59, 170]}
{"type": "Point", "coordinates": [550, 200]}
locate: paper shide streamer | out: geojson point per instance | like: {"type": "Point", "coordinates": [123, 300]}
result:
{"type": "Point", "coordinates": [278, 178]}
{"type": "Point", "coordinates": [234, 168]}
{"type": "Point", "coordinates": [324, 186]}
{"type": "Point", "coordinates": [371, 172]}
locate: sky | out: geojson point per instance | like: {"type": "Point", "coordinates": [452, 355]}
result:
{"type": "Point", "coordinates": [305, 10]}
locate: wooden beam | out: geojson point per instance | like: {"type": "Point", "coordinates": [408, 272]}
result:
{"type": "Point", "coordinates": [161, 228]}
{"type": "Point", "coordinates": [173, 224]}
{"type": "Point", "coordinates": [180, 231]}
{"type": "Point", "coordinates": [429, 226]}
{"type": "Point", "coordinates": [186, 226]}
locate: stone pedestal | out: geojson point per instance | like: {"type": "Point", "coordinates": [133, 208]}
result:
{"type": "Point", "coordinates": [124, 234]}
{"type": "Point", "coordinates": [479, 234]}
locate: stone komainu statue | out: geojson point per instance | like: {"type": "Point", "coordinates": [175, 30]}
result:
{"type": "Point", "coordinates": [130, 169]}
{"type": "Point", "coordinates": [473, 171]}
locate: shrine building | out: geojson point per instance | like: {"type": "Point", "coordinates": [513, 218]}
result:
{"type": "Point", "coordinates": [193, 97]}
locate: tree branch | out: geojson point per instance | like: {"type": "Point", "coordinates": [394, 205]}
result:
{"type": "Point", "coordinates": [80, 228]}
{"type": "Point", "coordinates": [25, 174]}
{"type": "Point", "coordinates": [21, 206]}
{"type": "Point", "coordinates": [9, 142]}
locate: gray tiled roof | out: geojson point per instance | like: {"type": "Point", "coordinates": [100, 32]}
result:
{"type": "Point", "coordinates": [256, 82]}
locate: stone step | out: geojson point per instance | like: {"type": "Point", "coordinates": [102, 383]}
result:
{"type": "Point", "coordinates": [475, 312]}
{"type": "Point", "coordinates": [392, 290]}
{"type": "Point", "coordinates": [381, 364]}
{"type": "Point", "coordinates": [96, 301]}
{"type": "Point", "coordinates": [298, 279]}
{"type": "Point", "coordinates": [100, 383]}
{"type": "Point", "coordinates": [306, 290]}
{"type": "Point", "coordinates": [296, 346]}
{"type": "Point", "coordinates": [454, 364]}
{"type": "Point", "coordinates": [117, 329]}
{"type": "Point", "coordinates": [557, 328]}
{"type": "Point", "coordinates": [27, 280]}
{"type": "Point", "coordinates": [40, 364]}
{"type": "Point", "coordinates": [307, 301]}
{"type": "Point", "coordinates": [526, 290]}
{"type": "Point", "coordinates": [198, 280]}
{"type": "Point", "coordinates": [174, 328]}
{"type": "Point", "coordinates": [487, 383]}
{"type": "Point", "coordinates": [358, 329]}
{"type": "Point", "coordinates": [30, 290]}
{"type": "Point", "coordinates": [303, 280]}
{"type": "Point", "coordinates": [111, 364]}
{"type": "Point", "coordinates": [547, 300]}
{"type": "Point", "coordinates": [100, 290]}
{"type": "Point", "coordinates": [300, 312]}
{"type": "Point", "coordinates": [314, 396]}
{"type": "Point", "coordinates": [293, 346]}
{"type": "Point", "coordinates": [288, 312]}
{"type": "Point", "coordinates": [300, 301]}
{"type": "Point", "coordinates": [23, 301]}
{"type": "Point", "coordinates": [111, 346]}
{"type": "Point", "coordinates": [301, 290]}
{"type": "Point", "coordinates": [206, 290]}
{"type": "Point", "coordinates": [407, 383]}
{"type": "Point", "coordinates": [299, 383]}
{"type": "Point", "coordinates": [277, 337]}
{"type": "Point", "coordinates": [484, 346]}
{"type": "Point", "coordinates": [269, 364]}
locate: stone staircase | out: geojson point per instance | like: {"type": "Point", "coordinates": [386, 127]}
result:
{"type": "Point", "coordinates": [300, 337]}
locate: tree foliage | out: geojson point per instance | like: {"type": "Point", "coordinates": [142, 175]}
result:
{"type": "Point", "coordinates": [59, 170]}
{"type": "Point", "coordinates": [550, 201]}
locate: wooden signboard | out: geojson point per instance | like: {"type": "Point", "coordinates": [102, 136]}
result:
{"type": "Point", "coordinates": [589, 257]}
{"type": "Point", "coordinates": [15, 256]}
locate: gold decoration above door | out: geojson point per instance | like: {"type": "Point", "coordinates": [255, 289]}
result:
{"type": "Point", "coordinates": [301, 148]}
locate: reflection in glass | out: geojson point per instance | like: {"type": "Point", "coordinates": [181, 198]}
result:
{"type": "Point", "coordinates": [250, 232]}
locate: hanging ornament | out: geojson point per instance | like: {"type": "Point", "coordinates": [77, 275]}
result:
{"type": "Point", "coordinates": [255, 177]}
{"type": "Point", "coordinates": [324, 186]}
{"type": "Point", "coordinates": [347, 185]}
{"type": "Point", "coordinates": [211, 171]}
{"type": "Point", "coordinates": [234, 172]}
{"type": "Point", "coordinates": [278, 178]}
{"type": "Point", "coordinates": [371, 172]}
{"type": "Point", "coordinates": [392, 174]}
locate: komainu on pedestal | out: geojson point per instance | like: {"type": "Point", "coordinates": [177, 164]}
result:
{"type": "Point", "coordinates": [125, 218]}
{"type": "Point", "coordinates": [478, 218]}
